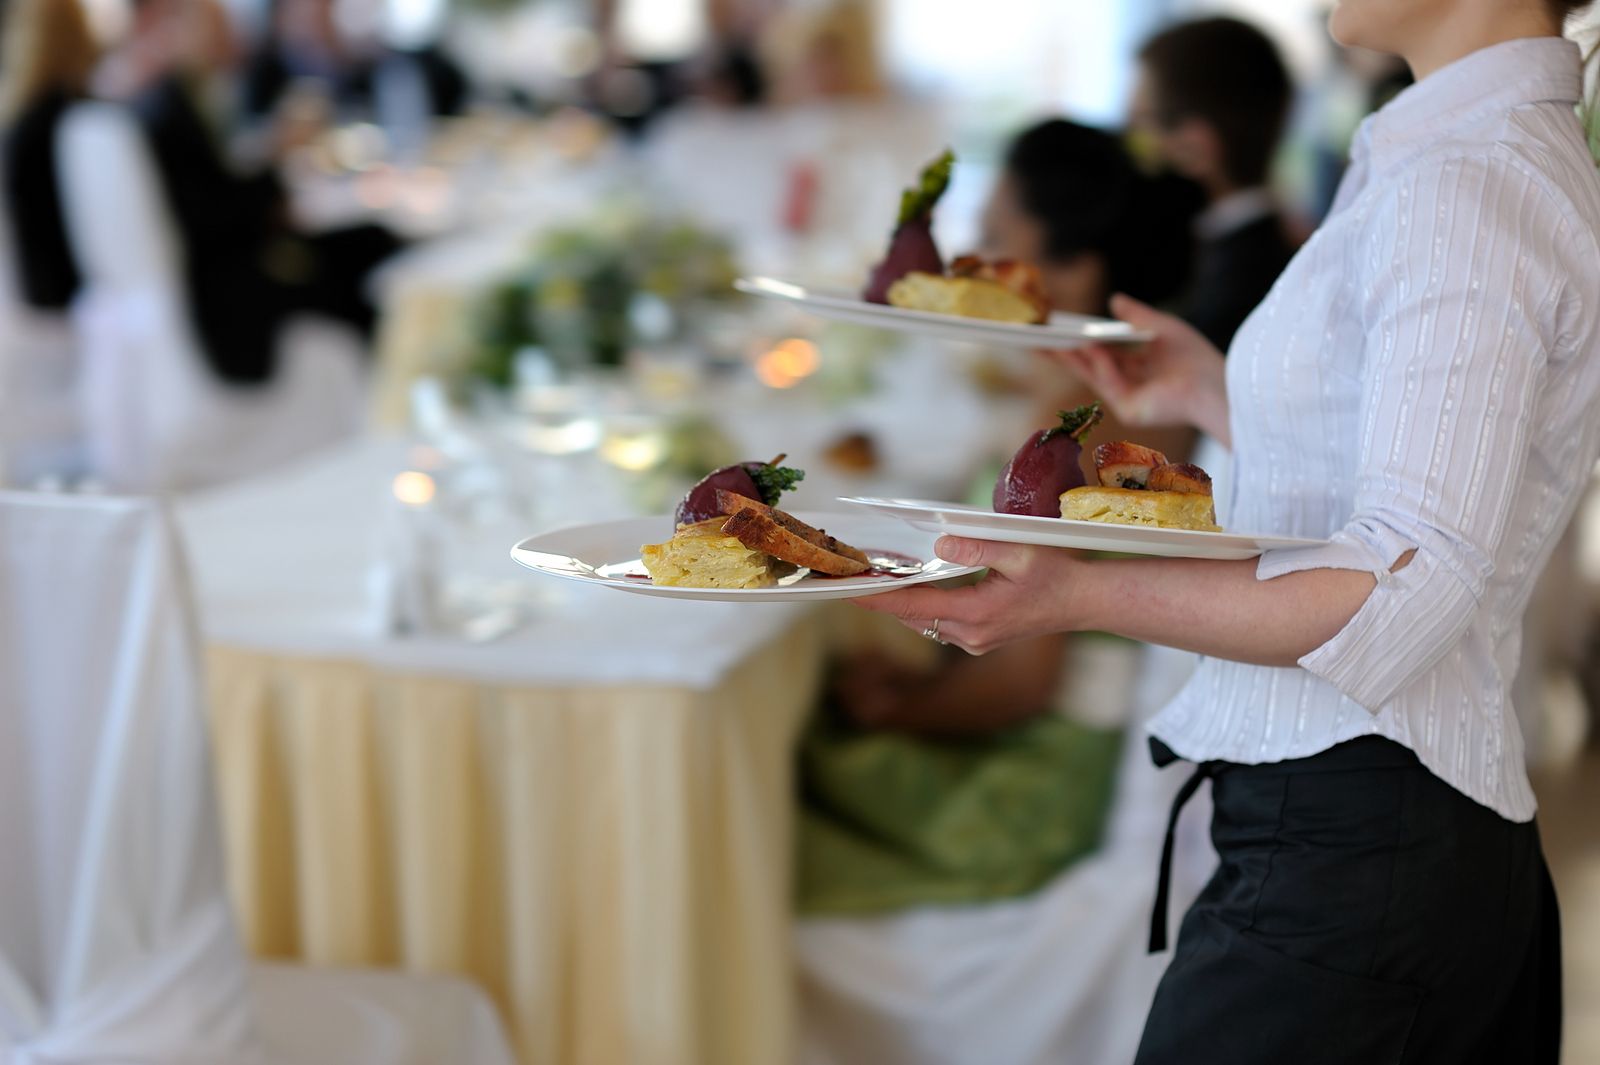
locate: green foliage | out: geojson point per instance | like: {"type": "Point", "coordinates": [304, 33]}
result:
{"type": "Point", "coordinates": [578, 293]}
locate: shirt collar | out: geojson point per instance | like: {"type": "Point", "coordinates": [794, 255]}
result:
{"type": "Point", "coordinates": [1233, 212]}
{"type": "Point", "coordinates": [1494, 79]}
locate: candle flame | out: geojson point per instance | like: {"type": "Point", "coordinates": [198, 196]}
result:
{"type": "Point", "coordinates": [414, 488]}
{"type": "Point", "coordinates": [788, 363]}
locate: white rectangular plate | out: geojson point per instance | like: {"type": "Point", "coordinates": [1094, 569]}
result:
{"type": "Point", "coordinates": [955, 520]}
{"type": "Point", "coordinates": [1061, 331]}
{"type": "Point", "coordinates": [607, 554]}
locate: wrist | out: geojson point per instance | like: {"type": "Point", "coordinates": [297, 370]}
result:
{"type": "Point", "coordinates": [1083, 608]}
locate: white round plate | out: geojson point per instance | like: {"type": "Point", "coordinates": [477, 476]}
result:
{"type": "Point", "coordinates": [1062, 330]}
{"type": "Point", "coordinates": [971, 522]}
{"type": "Point", "coordinates": [607, 554]}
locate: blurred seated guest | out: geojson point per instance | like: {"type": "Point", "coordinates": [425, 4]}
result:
{"type": "Point", "coordinates": [44, 73]}
{"type": "Point", "coordinates": [962, 782]}
{"type": "Point", "coordinates": [1070, 201]}
{"type": "Point", "coordinates": [305, 45]}
{"type": "Point", "coordinates": [1211, 100]}
{"type": "Point", "coordinates": [246, 265]}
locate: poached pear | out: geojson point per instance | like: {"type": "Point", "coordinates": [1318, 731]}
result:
{"type": "Point", "coordinates": [912, 246]}
{"type": "Point", "coordinates": [1045, 466]}
{"type": "Point", "coordinates": [764, 481]}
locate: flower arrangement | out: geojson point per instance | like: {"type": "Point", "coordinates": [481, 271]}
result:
{"type": "Point", "coordinates": [591, 290]}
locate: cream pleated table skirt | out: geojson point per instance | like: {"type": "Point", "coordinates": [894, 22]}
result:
{"type": "Point", "coordinates": [611, 863]}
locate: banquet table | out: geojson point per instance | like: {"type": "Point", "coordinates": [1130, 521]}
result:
{"type": "Point", "coordinates": [589, 815]}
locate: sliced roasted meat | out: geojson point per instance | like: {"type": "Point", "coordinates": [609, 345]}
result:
{"type": "Point", "coordinates": [1121, 464]}
{"type": "Point", "coordinates": [1179, 477]}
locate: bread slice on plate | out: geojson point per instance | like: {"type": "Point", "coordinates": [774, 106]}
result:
{"type": "Point", "coordinates": [733, 503]}
{"type": "Point", "coordinates": [762, 532]}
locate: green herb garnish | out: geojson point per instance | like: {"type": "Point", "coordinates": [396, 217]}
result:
{"type": "Point", "coordinates": [921, 198]}
{"type": "Point", "coordinates": [772, 480]}
{"type": "Point", "coordinates": [1076, 423]}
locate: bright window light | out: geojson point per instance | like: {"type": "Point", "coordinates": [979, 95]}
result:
{"type": "Point", "coordinates": [661, 29]}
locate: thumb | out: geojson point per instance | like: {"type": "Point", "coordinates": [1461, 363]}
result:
{"type": "Point", "coordinates": [1135, 312]}
{"type": "Point", "coordinates": [985, 553]}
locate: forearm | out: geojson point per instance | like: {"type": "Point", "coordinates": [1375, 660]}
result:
{"type": "Point", "coordinates": [1219, 609]}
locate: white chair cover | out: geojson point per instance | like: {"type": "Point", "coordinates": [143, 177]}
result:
{"type": "Point", "coordinates": [117, 944]}
{"type": "Point", "coordinates": [1060, 976]}
{"type": "Point", "coordinates": [156, 417]}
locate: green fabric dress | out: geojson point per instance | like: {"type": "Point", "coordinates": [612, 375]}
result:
{"type": "Point", "coordinates": [890, 821]}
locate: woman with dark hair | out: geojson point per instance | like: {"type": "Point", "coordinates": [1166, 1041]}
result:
{"type": "Point", "coordinates": [1071, 201]}
{"type": "Point", "coordinates": [954, 782]}
{"type": "Point", "coordinates": [1420, 387]}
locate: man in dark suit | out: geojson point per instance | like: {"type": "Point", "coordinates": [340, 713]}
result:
{"type": "Point", "coordinates": [1211, 99]}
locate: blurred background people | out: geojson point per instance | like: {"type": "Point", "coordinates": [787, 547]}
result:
{"type": "Point", "coordinates": [1210, 102]}
{"type": "Point", "coordinates": [47, 56]}
{"type": "Point", "coordinates": [248, 267]}
{"type": "Point", "coordinates": [308, 47]}
{"type": "Point", "coordinates": [49, 60]}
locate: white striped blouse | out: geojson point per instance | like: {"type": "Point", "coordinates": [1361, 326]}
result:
{"type": "Point", "coordinates": [1424, 375]}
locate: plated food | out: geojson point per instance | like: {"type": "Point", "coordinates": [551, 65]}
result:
{"type": "Point", "coordinates": [1137, 485]}
{"type": "Point", "coordinates": [726, 537]}
{"type": "Point", "coordinates": [999, 304]}
{"type": "Point", "coordinates": [1000, 291]}
{"type": "Point", "coordinates": [606, 555]}
{"type": "Point", "coordinates": [912, 274]}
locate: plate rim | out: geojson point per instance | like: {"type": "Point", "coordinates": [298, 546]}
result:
{"type": "Point", "coordinates": [766, 287]}
{"type": "Point", "coordinates": [882, 504]}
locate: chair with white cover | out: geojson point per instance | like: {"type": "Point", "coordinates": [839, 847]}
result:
{"type": "Point", "coordinates": [117, 942]}
{"type": "Point", "coordinates": [155, 415]}
{"type": "Point", "coordinates": [1061, 975]}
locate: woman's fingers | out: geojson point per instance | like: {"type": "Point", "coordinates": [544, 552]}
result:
{"type": "Point", "coordinates": [1103, 372]}
{"type": "Point", "coordinates": [917, 607]}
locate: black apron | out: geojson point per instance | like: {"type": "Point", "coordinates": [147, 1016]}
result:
{"type": "Point", "coordinates": [1363, 912]}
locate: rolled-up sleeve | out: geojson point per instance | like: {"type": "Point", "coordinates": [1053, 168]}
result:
{"type": "Point", "coordinates": [1453, 374]}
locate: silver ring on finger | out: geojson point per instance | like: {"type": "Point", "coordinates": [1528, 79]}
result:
{"type": "Point", "coordinates": [932, 633]}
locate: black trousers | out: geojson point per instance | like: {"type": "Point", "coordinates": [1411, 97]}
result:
{"type": "Point", "coordinates": [1363, 913]}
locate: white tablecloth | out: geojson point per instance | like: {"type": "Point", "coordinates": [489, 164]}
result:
{"type": "Point", "coordinates": [281, 566]}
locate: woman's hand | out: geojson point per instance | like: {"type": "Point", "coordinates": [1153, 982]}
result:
{"type": "Point", "coordinates": [1208, 606]}
{"type": "Point", "coordinates": [1029, 591]}
{"type": "Point", "coordinates": [1175, 379]}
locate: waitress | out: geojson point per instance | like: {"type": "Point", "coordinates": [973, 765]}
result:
{"type": "Point", "coordinates": [1421, 388]}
